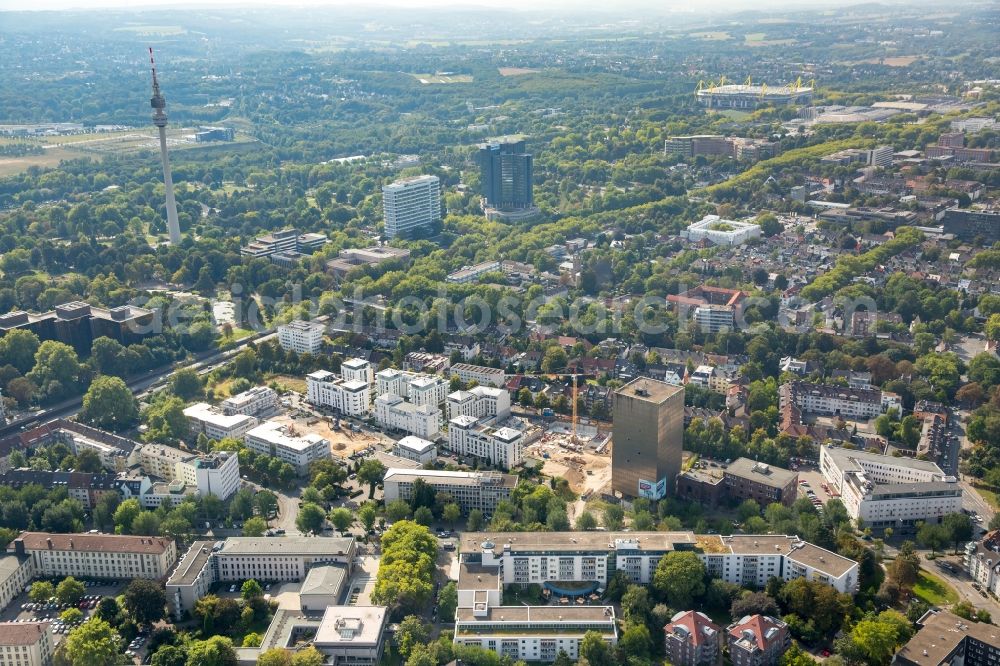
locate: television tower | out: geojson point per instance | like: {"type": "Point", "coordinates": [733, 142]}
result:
{"type": "Point", "coordinates": [160, 120]}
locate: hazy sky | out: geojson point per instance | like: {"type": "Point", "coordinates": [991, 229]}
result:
{"type": "Point", "coordinates": [682, 5]}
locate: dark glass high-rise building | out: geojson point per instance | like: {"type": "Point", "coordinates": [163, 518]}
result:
{"type": "Point", "coordinates": [505, 174]}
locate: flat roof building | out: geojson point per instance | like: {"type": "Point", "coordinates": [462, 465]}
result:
{"type": "Point", "coordinates": [470, 490]}
{"type": "Point", "coordinates": [301, 337]}
{"type": "Point", "coordinates": [416, 449]}
{"type": "Point", "coordinates": [352, 635]}
{"type": "Point", "coordinates": [722, 232]}
{"type": "Point", "coordinates": [411, 205]}
{"type": "Point", "coordinates": [648, 435]}
{"type": "Point", "coordinates": [204, 418]}
{"type": "Point", "coordinates": [276, 439]}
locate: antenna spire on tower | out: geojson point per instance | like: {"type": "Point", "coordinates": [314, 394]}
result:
{"type": "Point", "coordinates": [158, 104]}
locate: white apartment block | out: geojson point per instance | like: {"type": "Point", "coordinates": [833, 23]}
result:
{"type": "Point", "coordinates": [15, 575]}
{"type": "Point", "coordinates": [301, 337]}
{"type": "Point", "coordinates": [470, 490]}
{"type": "Point", "coordinates": [982, 562]}
{"type": "Point", "coordinates": [351, 397]}
{"type": "Point", "coordinates": [410, 204]}
{"type": "Point", "coordinates": [710, 377]}
{"type": "Point", "coordinates": [480, 402]}
{"type": "Point", "coordinates": [422, 420]}
{"type": "Point", "coordinates": [204, 418]}
{"type": "Point", "coordinates": [275, 439]}
{"type": "Point", "coordinates": [420, 389]}
{"type": "Point", "coordinates": [416, 449]}
{"type": "Point", "coordinates": [750, 560]}
{"type": "Point", "coordinates": [252, 402]}
{"type": "Point", "coordinates": [884, 491]}
{"type": "Point", "coordinates": [213, 474]}
{"type": "Point", "coordinates": [357, 370]}
{"type": "Point", "coordinates": [284, 559]}
{"type": "Point", "coordinates": [501, 447]}
{"type": "Point", "coordinates": [96, 555]}
{"type": "Point", "coordinates": [831, 400]}
{"type": "Point", "coordinates": [722, 232]}
{"type": "Point", "coordinates": [26, 644]}
{"type": "Point", "coordinates": [481, 374]}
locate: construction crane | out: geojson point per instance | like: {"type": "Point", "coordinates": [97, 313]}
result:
{"type": "Point", "coordinates": [574, 408]}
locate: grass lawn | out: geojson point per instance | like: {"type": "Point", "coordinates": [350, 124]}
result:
{"type": "Point", "coordinates": [296, 384]}
{"type": "Point", "coordinates": [990, 496]}
{"type": "Point", "coordinates": [933, 590]}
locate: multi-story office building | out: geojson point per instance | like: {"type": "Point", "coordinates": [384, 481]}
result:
{"type": "Point", "coordinates": [287, 242]}
{"type": "Point", "coordinates": [420, 389]}
{"type": "Point", "coordinates": [692, 639]}
{"type": "Point", "coordinates": [648, 433]}
{"type": "Point", "coordinates": [698, 144]}
{"type": "Point", "coordinates": [415, 449]}
{"type": "Point", "coordinates": [468, 274]}
{"type": "Point", "coordinates": [78, 324]}
{"type": "Point", "coordinates": [880, 156]}
{"type": "Point", "coordinates": [261, 558]}
{"type": "Point", "coordinates": [411, 205]}
{"type": "Point", "coordinates": [350, 397]}
{"type": "Point", "coordinates": [422, 420]}
{"type": "Point", "coordinates": [15, 575]}
{"type": "Point", "coordinates": [481, 374]}
{"type": "Point", "coordinates": [982, 562]}
{"type": "Point", "coordinates": [253, 402]}
{"type": "Point", "coordinates": [945, 639]}
{"type": "Point", "coordinates": [885, 491]}
{"type": "Point", "coordinates": [972, 223]}
{"type": "Point", "coordinates": [501, 447]}
{"type": "Point", "coordinates": [548, 558]}
{"type": "Point", "coordinates": [26, 644]}
{"type": "Point", "coordinates": [742, 479]}
{"type": "Point", "coordinates": [204, 418]}
{"type": "Point", "coordinates": [96, 555]}
{"type": "Point", "coordinates": [301, 337]}
{"type": "Point", "coordinates": [480, 402]}
{"type": "Point", "coordinates": [714, 318]}
{"type": "Point", "coordinates": [352, 635]}
{"type": "Point", "coordinates": [352, 258]}
{"type": "Point", "coordinates": [212, 474]}
{"type": "Point", "coordinates": [505, 174]}
{"type": "Point", "coordinates": [274, 439]}
{"type": "Point", "coordinates": [470, 490]}
{"type": "Point", "coordinates": [832, 400]}
{"type": "Point", "coordinates": [757, 640]}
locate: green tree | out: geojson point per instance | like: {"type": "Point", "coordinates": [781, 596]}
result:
{"type": "Point", "coordinates": [216, 651]}
{"type": "Point", "coordinates": [146, 523]}
{"type": "Point", "coordinates": [253, 639]}
{"type": "Point", "coordinates": [613, 517]}
{"type": "Point", "coordinates": [554, 359]}
{"type": "Point", "coordinates": [145, 601]}
{"type": "Point", "coordinates": [367, 515]}
{"type": "Point", "coordinates": [933, 536]}
{"type": "Point", "coordinates": [959, 527]}
{"type": "Point", "coordinates": [595, 650]}
{"type": "Point", "coordinates": [308, 657]}
{"type": "Point", "coordinates": [586, 521]}
{"type": "Point", "coordinates": [310, 518]}
{"type": "Point", "coordinates": [41, 591]}
{"type": "Point", "coordinates": [636, 604]}
{"type": "Point", "coordinates": [424, 516]}
{"type": "Point", "coordinates": [475, 521]}
{"type": "Point", "coordinates": [635, 640]}
{"type": "Point", "coordinates": [266, 503]}
{"type": "Point", "coordinates": [93, 643]}
{"type": "Point", "coordinates": [165, 421]}
{"type": "Point", "coordinates": [397, 510]}
{"type": "Point", "coordinates": [251, 589]}
{"type": "Point", "coordinates": [108, 610]}
{"type": "Point", "coordinates": [254, 527]}
{"type": "Point", "coordinates": [412, 632]}
{"type": "Point", "coordinates": [169, 655]}
{"type": "Point", "coordinates": [70, 590]}
{"type": "Point", "coordinates": [342, 519]}
{"type": "Point", "coordinates": [57, 371]}
{"type": "Point", "coordinates": [796, 656]}
{"type": "Point", "coordinates": [275, 657]}
{"type": "Point", "coordinates": [448, 601]}
{"type": "Point", "coordinates": [680, 577]}
{"type": "Point", "coordinates": [109, 404]}
{"type": "Point", "coordinates": [451, 514]}
{"type": "Point", "coordinates": [372, 471]}
{"type": "Point", "coordinates": [186, 384]}
{"type": "Point", "coordinates": [18, 348]}
{"type": "Point", "coordinates": [71, 616]}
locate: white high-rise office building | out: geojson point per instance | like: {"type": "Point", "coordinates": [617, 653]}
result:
{"type": "Point", "coordinates": [411, 203]}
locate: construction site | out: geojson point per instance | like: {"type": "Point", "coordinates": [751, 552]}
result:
{"type": "Point", "coordinates": [583, 458]}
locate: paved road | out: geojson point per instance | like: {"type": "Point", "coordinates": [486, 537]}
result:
{"type": "Point", "coordinates": [962, 584]}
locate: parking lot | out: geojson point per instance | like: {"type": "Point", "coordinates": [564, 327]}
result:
{"type": "Point", "coordinates": [22, 609]}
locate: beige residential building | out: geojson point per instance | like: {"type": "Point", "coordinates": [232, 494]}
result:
{"type": "Point", "coordinates": [96, 555]}
{"type": "Point", "coordinates": [25, 644]}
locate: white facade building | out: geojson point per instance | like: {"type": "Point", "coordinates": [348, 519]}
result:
{"type": "Point", "coordinates": [481, 374]}
{"type": "Point", "coordinates": [470, 490]}
{"type": "Point", "coordinates": [982, 562]}
{"type": "Point", "coordinates": [722, 232]}
{"type": "Point", "coordinates": [357, 370]}
{"type": "Point", "coordinates": [26, 644]}
{"type": "Point", "coordinates": [236, 559]}
{"type": "Point", "coordinates": [884, 491]}
{"type": "Point", "coordinates": [352, 635]}
{"type": "Point", "coordinates": [502, 447]}
{"type": "Point", "coordinates": [213, 474]}
{"type": "Point", "coordinates": [480, 402]}
{"type": "Point", "coordinates": [831, 400]}
{"type": "Point", "coordinates": [274, 439]}
{"type": "Point", "coordinates": [252, 402]}
{"type": "Point", "coordinates": [411, 204]}
{"type": "Point", "coordinates": [96, 555]}
{"type": "Point", "coordinates": [352, 397]}
{"type": "Point", "coordinates": [204, 418]}
{"type": "Point", "coordinates": [301, 337]}
{"type": "Point", "coordinates": [15, 575]}
{"type": "Point", "coordinates": [422, 420]}
{"type": "Point", "coordinates": [416, 449]}
{"type": "Point", "coordinates": [420, 389]}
